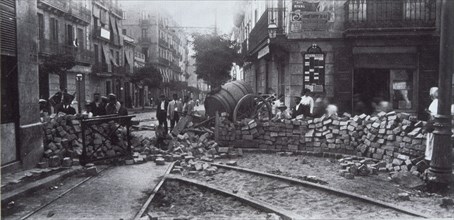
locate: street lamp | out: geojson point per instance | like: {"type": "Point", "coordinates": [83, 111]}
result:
{"type": "Point", "coordinates": [272, 29]}
{"type": "Point", "coordinates": [79, 77]}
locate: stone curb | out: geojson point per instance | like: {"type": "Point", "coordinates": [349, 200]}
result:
{"type": "Point", "coordinates": [37, 185]}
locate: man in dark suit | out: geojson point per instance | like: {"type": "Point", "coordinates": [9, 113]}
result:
{"type": "Point", "coordinates": [161, 112]}
{"type": "Point", "coordinates": [97, 107]}
{"type": "Point", "coordinates": [297, 109]}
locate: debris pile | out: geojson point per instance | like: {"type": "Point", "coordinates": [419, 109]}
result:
{"type": "Point", "coordinates": [192, 151]}
{"type": "Point", "coordinates": [358, 166]}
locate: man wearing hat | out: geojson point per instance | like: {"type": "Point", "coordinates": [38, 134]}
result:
{"type": "Point", "coordinates": [97, 107]}
{"type": "Point", "coordinates": [298, 109]}
{"type": "Point", "coordinates": [113, 106]}
{"type": "Point", "coordinates": [281, 112]}
{"type": "Point", "coordinates": [65, 105]}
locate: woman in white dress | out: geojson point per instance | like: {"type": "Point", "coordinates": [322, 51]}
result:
{"type": "Point", "coordinates": [432, 110]}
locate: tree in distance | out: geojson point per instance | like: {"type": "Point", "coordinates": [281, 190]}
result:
{"type": "Point", "coordinates": [214, 56]}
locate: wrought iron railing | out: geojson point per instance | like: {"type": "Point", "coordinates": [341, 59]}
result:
{"type": "Point", "coordinates": [80, 12]}
{"type": "Point", "coordinates": [390, 13]}
{"type": "Point", "coordinates": [60, 5]}
{"type": "Point", "coordinates": [80, 55]}
{"type": "Point", "coordinates": [105, 137]}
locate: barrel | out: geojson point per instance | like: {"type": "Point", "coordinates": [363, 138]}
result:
{"type": "Point", "coordinates": [226, 99]}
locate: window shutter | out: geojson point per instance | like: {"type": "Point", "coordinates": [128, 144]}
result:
{"type": "Point", "coordinates": [8, 27]}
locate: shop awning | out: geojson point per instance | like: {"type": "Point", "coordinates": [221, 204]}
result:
{"type": "Point", "coordinates": [120, 35]}
{"type": "Point", "coordinates": [107, 57]}
{"type": "Point", "coordinates": [113, 29]}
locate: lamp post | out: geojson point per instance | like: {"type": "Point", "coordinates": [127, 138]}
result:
{"type": "Point", "coordinates": [79, 78]}
{"type": "Point", "coordinates": [272, 29]}
{"type": "Point", "coordinates": [440, 171]}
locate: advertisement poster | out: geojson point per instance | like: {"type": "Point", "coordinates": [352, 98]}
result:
{"type": "Point", "coordinates": [311, 15]}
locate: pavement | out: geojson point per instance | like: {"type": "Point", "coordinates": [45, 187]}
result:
{"type": "Point", "coordinates": [117, 193]}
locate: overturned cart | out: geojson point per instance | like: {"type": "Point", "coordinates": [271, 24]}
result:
{"type": "Point", "coordinates": [105, 137]}
{"type": "Point", "coordinates": [237, 99]}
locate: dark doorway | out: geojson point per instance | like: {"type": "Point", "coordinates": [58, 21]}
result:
{"type": "Point", "coordinates": [370, 85]}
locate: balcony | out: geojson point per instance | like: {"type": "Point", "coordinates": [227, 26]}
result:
{"type": "Point", "coordinates": [117, 11]}
{"type": "Point", "coordinates": [80, 14]}
{"type": "Point", "coordinates": [390, 15]}
{"type": "Point", "coordinates": [145, 22]}
{"type": "Point", "coordinates": [144, 40]}
{"type": "Point", "coordinates": [163, 43]}
{"type": "Point", "coordinates": [164, 61]}
{"type": "Point", "coordinates": [46, 47]}
{"type": "Point", "coordinates": [57, 6]}
{"type": "Point", "coordinates": [99, 68]}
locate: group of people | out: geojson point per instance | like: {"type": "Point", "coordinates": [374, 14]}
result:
{"type": "Point", "coordinates": [64, 102]}
{"type": "Point", "coordinates": [172, 110]}
{"type": "Point", "coordinates": [305, 106]}
{"type": "Point", "coordinates": [102, 105]}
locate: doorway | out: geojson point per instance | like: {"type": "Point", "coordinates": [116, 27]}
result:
{"type": "Point", "coordinates": [369, 85]}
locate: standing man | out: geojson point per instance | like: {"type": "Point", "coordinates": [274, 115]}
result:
{"type": "Point", "coordinates": [188, 107]}
{"type": "Point", "coordinates": [297, 109]}
{"type": "Point", "coordinates": [113, 106]}
{"type": "Point", "coordinates": [97, 107]}
{"type": "Point", "coordinates": [173, 111]}
{"type": "Point", "coordinates": [161, 112]}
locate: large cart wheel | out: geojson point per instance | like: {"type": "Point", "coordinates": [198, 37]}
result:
{"type": "Point", "coordinates": [253, 107]}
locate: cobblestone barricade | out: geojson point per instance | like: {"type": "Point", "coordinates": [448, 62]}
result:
{"type": "Point", "coordinates": [396, 138]}
{"type": "Point", "coordinates": [63, 140]}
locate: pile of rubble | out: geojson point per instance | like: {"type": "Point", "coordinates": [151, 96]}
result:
{"type": "Point", "coordinates": [382, 137]}
{"type": "Point", "coordinates": [193, 151]}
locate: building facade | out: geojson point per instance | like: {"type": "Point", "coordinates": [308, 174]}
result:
{"type": "Point", "coordinates": [350, 51]}
{"type": "Point", "coordinates": [64, 28]}
{"type": "Point", "coordinates": [21, 132]}
{"type": "Point", "coordinates": [163, 43]}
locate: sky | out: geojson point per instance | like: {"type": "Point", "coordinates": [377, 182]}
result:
{"type": "Point", "coordinates": [195, 13]}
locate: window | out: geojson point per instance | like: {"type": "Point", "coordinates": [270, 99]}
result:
{"type": "Point", "coordinates": [69, 34]}
{"type": "Point", "coordinates": [80, 38]}
{"type": "Point", "coordinates": [108, 87]}
{"type": "Point", "coordinates": [123, 31]}
{"type": "Point", "coordinates": [117, 56]}
{"type": "Point", "coordinates": [95, 23]}
{"type": "Point", "coordinates": [145, 52]}
{"type": "Point", "coordinates": [144, 33]}
{"type": "Point", "coordinates": [112, 58]}
{"type": "Point", "coordinates": [41, 26]}
{"type": "Point", "coordinates": [96, 49]}
{"type": "Point", "coordinates": [54, 30]}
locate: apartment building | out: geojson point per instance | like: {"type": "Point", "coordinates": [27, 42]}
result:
{"type": "Point", "coordinates": [346, 50]}
{"type": "Point", "coordinates": [162, 41]}
{"type": "Point", "coordinates": [64, 28]}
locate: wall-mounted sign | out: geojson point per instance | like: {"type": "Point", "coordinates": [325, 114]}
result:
{"type": "Point", "coordinates": [311, 15]}
{"type": "Point", "coordinates": [314, 69]}
{"type": "Point", "coordinates": [105, 34]}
